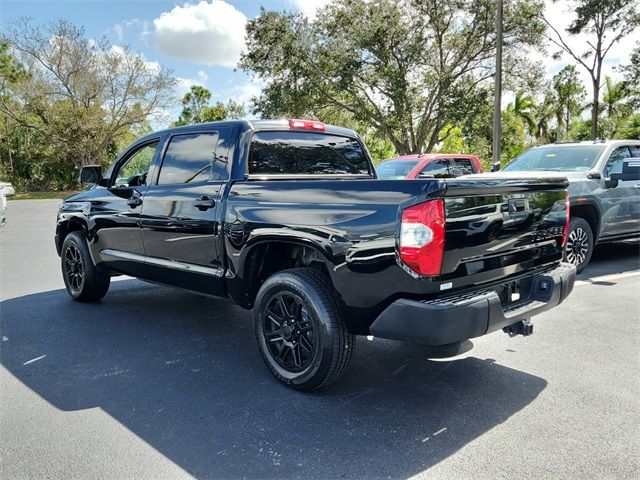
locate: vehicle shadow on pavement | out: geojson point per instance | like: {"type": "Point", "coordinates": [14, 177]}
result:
{"type": "Point", "coordinates": [184, 374]}
{"type": "Point", "coordinates": [612, 258]}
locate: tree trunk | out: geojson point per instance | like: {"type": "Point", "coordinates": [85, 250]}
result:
{"type": "Point", "coordinates": [594, 109]}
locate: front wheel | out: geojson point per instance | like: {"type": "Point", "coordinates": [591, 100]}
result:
{"type": "Point", "coordinates": [300, 331]}
{"type": "Point", "coordinates": [84, 282]}
{"type": "Point", "coordinates": [579, 243]}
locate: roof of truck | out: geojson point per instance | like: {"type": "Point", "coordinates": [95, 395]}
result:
{"type": "Point", "coordinates": [260, 124]}
{"type": "Point", "coordinates": [606, 143]}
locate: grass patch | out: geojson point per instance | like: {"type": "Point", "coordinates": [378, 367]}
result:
{"type": "Point", "coordinates": [40, 195]}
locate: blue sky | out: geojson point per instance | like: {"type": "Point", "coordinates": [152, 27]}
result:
{"type": "Point", "coordinates": [171, 33]}
{"type": "Point", "coordinates": [201, 40]}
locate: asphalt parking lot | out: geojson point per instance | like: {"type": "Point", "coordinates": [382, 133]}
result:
{"type": "Point", "coordinates": [158, 383]}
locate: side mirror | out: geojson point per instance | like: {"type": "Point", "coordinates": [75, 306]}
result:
{"type": "Point", "coordinates": [91, 175]}
{"type": "Point", "coordinates": [495, 167]}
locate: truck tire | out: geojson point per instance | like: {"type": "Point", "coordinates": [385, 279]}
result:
{"type": "Point", "coordinates": [300, 331]}
{"type": "Point", "coordinates": [579, 243]}
{"type": "Point", "coordinates": [84, 282]}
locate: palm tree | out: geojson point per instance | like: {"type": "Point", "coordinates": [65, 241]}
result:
{"type": "Point", "coordinates": [522, 107]}
{"type": "Point", "coordinates": [613, 96]}
{"type": "Point", "coordinates": [544, 114]}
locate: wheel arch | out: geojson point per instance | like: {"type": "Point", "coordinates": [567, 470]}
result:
{"type": "Point", "coordinates": [65, 227]}
{"type": "Point", "coordinates": [268, 257]}
{"type": "Point", "coordinates": [590, 212]}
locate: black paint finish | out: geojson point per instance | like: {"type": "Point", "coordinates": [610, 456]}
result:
{"type": "Point", "coordinates": [223, 237]}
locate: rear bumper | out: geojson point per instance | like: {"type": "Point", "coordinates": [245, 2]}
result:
{"type": "Point", "coordinates": [471, 314]}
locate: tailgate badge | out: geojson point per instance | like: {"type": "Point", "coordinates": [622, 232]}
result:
{"type": "Point", "coordinates": [446, 286]}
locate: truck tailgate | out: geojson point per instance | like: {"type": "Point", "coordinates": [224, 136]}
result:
{"type": "Point", "coordinates": [497, 225]}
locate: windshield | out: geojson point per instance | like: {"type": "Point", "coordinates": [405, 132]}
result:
{"type": "Point", "coordinates": [578, 158]}
{"type": "Point", "coordinates": [395, 169]}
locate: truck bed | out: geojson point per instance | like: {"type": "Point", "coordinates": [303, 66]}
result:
{"type": "Point", "coordinates": [495, 230]}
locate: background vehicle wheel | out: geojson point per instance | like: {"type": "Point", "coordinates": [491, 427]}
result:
{"type": "Point", "coordinates": [579, 243]}
{"type": "Point", "coordinates": [83, 281]}
{"type": "Point", "coordinates": [301, 335]}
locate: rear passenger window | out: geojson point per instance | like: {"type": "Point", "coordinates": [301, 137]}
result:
{"type": "Point", "coordinates": [189, 159]}
{"type": "Point", "coordinates": [460, 166]}
{"type": "Point", "coordinates": [296, 153]}
{"type": "Point", "coordinates": [616, 160]}
{"type": "Point", "coordinates": [437, 169]}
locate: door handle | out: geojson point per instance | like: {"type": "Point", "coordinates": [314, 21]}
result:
{"type": "Point", "coordinates": [637, 185]}
{"type": "Point", "coordinates": [134, 201]}
{"type": "Point", "coordinates": [204, 203]}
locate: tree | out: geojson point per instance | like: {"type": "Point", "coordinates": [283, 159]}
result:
{"type": "Point", "coordinates": [545, 112]}
{"type": "Point", "coordinates": [569, 96]}
{"type": "Point", "coordinates": [196, 108]}
{"type": "Point", "coordinates": [81, 93]}
{"type": "Point", "coordinates": [631, 74]}
{"type": "Point", "coordinates": [607, 22]}
{"type": "Point", "coordinates": [523, 108]}
{"type": "Point", "coordinates": [406, 68]}
{"type": "Point", "coordinates": [613, 98]}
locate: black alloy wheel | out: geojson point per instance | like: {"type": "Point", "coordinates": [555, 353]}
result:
{"type": "Point", "coordinates": [74, 268]}
{"type": "Point", "coordinates": [84, 282]}
{"type": "Point", "coordinates": [301, 334]}
{"type": "Point", "coordinates": [291, 338]}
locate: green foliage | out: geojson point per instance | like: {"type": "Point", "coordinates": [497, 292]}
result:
{"type": "Point", "coordinates": [68, 101]}
{"type": "Point", "coordinates": [569, 97]}
{"type": "Point", "coordinates": [405, 68]}
{"type": "Point", "coordinates": [196, 108]}
{"type": "Point", "coordinates": [522, 108]}
{"type": "Point", "coordinates": [631, 74]}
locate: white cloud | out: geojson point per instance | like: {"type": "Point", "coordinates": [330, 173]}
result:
{"type": "Point", "coordinates": [243, 93]}
{"type": "Point", "coordinates": [206, 33]}
{"type": "Point", "coordinates": [202, 76]}
{"type": "Point", "coordinates": [120, 29]}
{"type": "Point", "coordinates": [183, 85]}
{"type": "Point", "coordinates": [152, 65]}
{"type": "Point", "coordinates": [309, 7]}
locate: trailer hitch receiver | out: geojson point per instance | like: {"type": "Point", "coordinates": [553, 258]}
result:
{"type": "Point", "coordinates": [524, 328]}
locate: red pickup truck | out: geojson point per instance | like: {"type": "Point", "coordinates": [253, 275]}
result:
{"type": "Point", "coordinates": [425, 165]}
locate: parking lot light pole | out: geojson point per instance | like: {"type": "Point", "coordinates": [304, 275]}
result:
{"type": "Point", "coordinates": [497, 109]}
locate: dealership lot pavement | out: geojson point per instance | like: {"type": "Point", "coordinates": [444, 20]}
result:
{"type": "Point", "coordinates": [158, 383]}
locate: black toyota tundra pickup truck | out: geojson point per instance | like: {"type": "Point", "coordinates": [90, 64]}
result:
{"type": "Point", "coordinates": [288, 218]}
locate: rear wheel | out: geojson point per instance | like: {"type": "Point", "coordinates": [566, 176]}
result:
{"type": "Point", "coordinates": [84, 282]}
{"type": "Point", "coordinates": [579, 243]}
{"type": "Point", "coordinates": [299, 328]}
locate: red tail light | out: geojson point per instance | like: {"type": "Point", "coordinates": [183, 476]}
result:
{"type": "Point", "coordinates": [565, 233]}
{"type": "Point", "coordinates": [422, 237]}
{"type": "Point", "coordinates": [306, 124]}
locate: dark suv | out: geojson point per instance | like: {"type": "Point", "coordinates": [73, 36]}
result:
{"type": "Point", "coordinates": [605, 206]}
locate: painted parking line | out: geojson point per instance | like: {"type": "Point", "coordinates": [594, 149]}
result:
{"type": "Point", "coordinates": [608, 278]}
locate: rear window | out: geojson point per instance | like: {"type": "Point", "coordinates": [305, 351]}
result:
{"type": "Point", "coordinates": [296, 153]}
{"type": "Point", "coordinates": [461, 166]}
{"type": "Point", "coordinates": [395, 169]}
